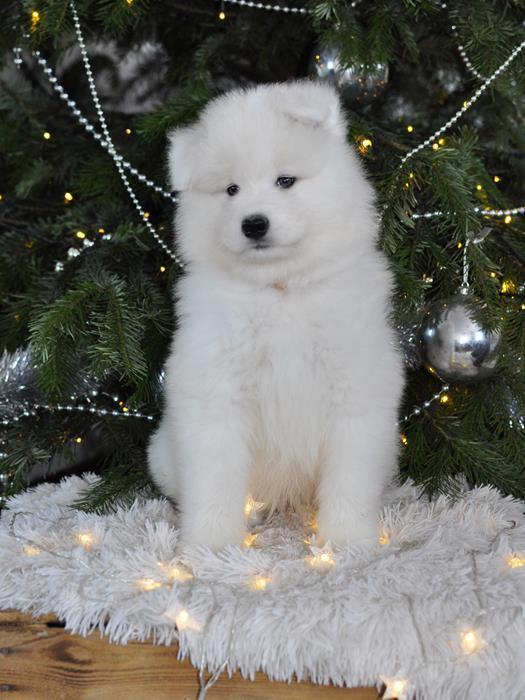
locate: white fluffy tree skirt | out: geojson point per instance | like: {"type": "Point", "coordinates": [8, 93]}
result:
{"type": "Point", "coordinates": [440, 606]}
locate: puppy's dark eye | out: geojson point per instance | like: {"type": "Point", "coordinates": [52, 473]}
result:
{"type": "Point", "coordinates": [232, 190]}
{"type": "Point", "coordinates": [285, 181]}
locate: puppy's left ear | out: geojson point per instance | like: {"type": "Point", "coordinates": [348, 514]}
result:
{"type": "Point", "coordinates": [313, 104]}
{"type": "Point", "coordinates": [182, 142]}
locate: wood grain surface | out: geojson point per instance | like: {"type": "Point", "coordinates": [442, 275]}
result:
{"type": "Point", "coordinates": [39, 659]}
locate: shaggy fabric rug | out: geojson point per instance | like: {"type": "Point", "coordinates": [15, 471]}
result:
{"type": "Point", "coordinates": [436, 610]}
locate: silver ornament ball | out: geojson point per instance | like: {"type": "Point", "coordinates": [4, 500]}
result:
{"type": "Point", "coordinates": [358, 84]}
{"type": "Point", "coordinates": [453, 345]}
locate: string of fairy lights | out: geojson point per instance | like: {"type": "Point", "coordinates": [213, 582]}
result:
{"type": "Point", "coordinates": [468, 640]}
{"type": "Point", "coordinates": [322, 558]}
{"type": "Point", "coordinates": [364, 144]}
{"type": "Point", "coordinates": [106, 142]}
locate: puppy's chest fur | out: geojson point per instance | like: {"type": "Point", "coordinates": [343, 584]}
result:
{"type": "Point", "coordinates": [288, 350]}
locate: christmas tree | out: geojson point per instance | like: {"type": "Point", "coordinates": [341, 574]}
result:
{"type": "Point", "coordinates": [89, 91]}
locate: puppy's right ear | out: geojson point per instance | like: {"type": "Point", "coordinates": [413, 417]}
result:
{"type": "Point", "coordinates": [181, 145]}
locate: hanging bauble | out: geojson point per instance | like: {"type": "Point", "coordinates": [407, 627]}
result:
{"type": "Point", "coordinates": [454, 346]}
{"type": "Point", "coordinates": [358, 84]}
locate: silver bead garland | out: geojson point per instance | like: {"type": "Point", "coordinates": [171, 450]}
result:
{"type": "Point", "coordinates": [169, 195]}
{"type": "Point", "coordinates": [276, 8]}
{"type": "Point", "coordinates": [269, 6]}
{"type": "Point", "coordinates": [466, 105]}
{"type": "Point", "coordinates": [32, 410]}
{"type": "Point", "coordinates": [106, 142]}
{"type": "Point", "coordinates": [111, 148]}
{"type": "Point", "coordinates": [417, 409]}
{"type": "Point", "coordinates": [48, 71]}
{"type": "Point", "coordinates": [477, 210]}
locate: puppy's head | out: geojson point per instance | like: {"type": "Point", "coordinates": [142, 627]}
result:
{"type": "Point", "coordinates": [267, 181]}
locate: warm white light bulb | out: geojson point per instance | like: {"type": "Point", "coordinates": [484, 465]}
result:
{"type": "Point", "coordinates": [86, 539]}
{"type": "Point", "coordinates": [175, 573]}
{"type": "Point", "coordinates": [182, 618]}
{"type": "Point", "coordinates": [471, 641]}
{"type": "Point", "coordinates": [260, 583]}
{"type": "Point", "coordinates": [322, 557]}
{"type": "Point", "coordinates": [250, 539]}
{"type": "Point", "coordinates": [515, 561]}
{"type": "Point", "coordinates": [148, 584]}
{"type": "Point", "coordinates": [396, 688]}
{"type": "Point", "coordinates": [31, 551]}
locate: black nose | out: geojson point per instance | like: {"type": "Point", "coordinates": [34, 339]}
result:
{"type": "Point", "coordinates": [255, 226]}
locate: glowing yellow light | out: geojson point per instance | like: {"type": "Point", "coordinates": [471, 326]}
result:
{"type": "Point", "coordinates": [403, 439]}
{"type": "Point", "coordinates": [222, 14]}
{"type": "Point", "coordinates": [508, 287]}
{"type": "Point", "coordinates": [86, 539]}
{"type": "Point", "coordinates": [411, 176]}
{"type": "Point", "coordinates": [441, 141]}
{"type": "Point", "coordinates": [80, 234]}
{"type": "Point", "coordinates": [317, 57]}
{"type": "Point", "coordinates": [410, 128]}
{"type": "Point", "coordinates": [322, 558]}
{"type": "Point", "coordinates": [68, 196]}
{"type": "Point", "coordinates": [471, 641]}
{"type": "Point", "coordinates": [313, 525]}
{"type": "Point", "coordinates": [384, 537]}
{"type": "Point", "coordinates": [125, 409]}
{"type": "Point", "coordinates": [508, 219]}
{"type": "Point", "coordinates": [31, 551]}
{"type": "Point", "coordinates": [492, 274]}
{"type": "Point", "coordinates": [78, 439]}
{"type": "Point", "coordinates": [175, 573]}
{"type": "Point", "coordinates": [460, 245]}
{"type": "Point", "coordinates": [465, 104]}
{"type": "Point", "coordinates": [364, 145]}
{"type": "Point", "coordinates": [182, 619]}
{"type": "Point", "coordinates": [444, 398]}
{"type": "Point", "coordinates": [101, 230]}
{"type": "Point", "coordinates": [516, 560]}
{"type": "Point", "coordinates": [496, 178]}
{"type": "Point", "coordinates": [35, 19]}
{"type": "Point", "coordinates": [148, 584]}
{"type": "Point", "coordinates": [259, 583]}
{"type": "Point", "coordinates": [435, 146]}
{"type": "Point", "coordinates": [395, 688]}
{"type": "Point", "coordinates": [523, 307]}
{"type": "Point", "coordinates": [479, 187]}
{"type": "Point", "coordinates": [146, 215]}
{"type": "Point", "coordinates": [46, 135]}
{"type": "Point", "coordinates": [127, 131]}
{"type": "Point", "coordinates": [250, 539]}
{"type": "Point", "coordinates": [249, 506]}
{"type": "Point", "coordinates": [1, 197]}
{"type": "Point", "coordinates": [130, 2]}
{"type": "Point", "coordinates": [162, 268]}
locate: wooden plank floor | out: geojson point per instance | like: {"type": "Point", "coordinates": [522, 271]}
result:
{"type": "Point", "coordinates": [38, 659]}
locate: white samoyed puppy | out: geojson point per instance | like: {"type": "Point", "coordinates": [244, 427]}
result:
{"type": "Point", "coordinates": [283, 381]}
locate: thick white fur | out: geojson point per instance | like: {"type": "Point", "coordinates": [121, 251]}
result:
{"type": "Point", "coordinates": [288, 395]}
